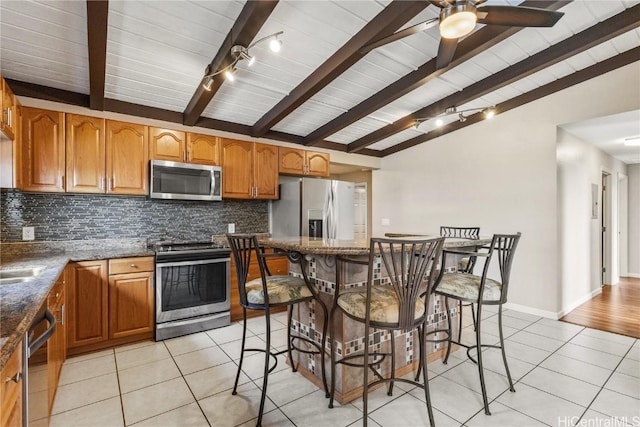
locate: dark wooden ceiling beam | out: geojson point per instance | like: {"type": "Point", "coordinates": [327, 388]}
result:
{"type": "Point", "coordinates": [613, 63]}
{"type": "Point", "coordinates": [97, 22]}
{"type": "Point", "coordinates": [586, 39]}
{"type": "Point", "coordinates": [32, 90]}
{"type": "Point", "coordinates": [476, 43]}
{"type": "Point", "coordinates": [251, 18]}
{"type": "Point", "coordinates": [395, 15]}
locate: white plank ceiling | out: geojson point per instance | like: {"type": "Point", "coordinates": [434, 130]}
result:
{"type": "Point", "coordinates": [157, 52]}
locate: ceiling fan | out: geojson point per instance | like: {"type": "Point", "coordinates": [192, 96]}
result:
{"type": "Point", "coordinates": [459, 17]}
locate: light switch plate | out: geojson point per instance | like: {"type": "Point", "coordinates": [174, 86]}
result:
{"type": "Point", "coordinates": [231, 228]}
{"type": "Point", "coordinates": [28, 233]}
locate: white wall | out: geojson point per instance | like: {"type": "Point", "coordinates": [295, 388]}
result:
{"type": "Point", "coordinates": [500, 175]}
{"type": "Point", "coordinates": [580, 164]}
{"type": "Point", "coordinates": [633, 173]}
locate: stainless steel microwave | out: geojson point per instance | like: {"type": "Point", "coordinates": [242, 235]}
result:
{"type": "Point", "coordinates": [185, 181]}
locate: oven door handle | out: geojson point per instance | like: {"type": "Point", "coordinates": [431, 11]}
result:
{"type": "Point", "coordinates": [162, 264]}
{"type": "Point", "coordinates": [38, 342]}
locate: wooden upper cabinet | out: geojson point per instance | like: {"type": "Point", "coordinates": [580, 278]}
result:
{"type": "Point", "coordinates": [317, 163]}
{"type": "Point", "coordinates": [237, 169]}
{"type": "Point", "coordinates": [9, 122]}
{"type": "Point", "coordinates": [42, 149]}
{"type": "Point", "coordinates": [127, 158]}
{"type": "Point", "coordinates": [293, 161]}
{"type": "Point", "coordinates": [203, 149]}
{"type": "Point", "coordinates": [85, 144]}
{"type": "Point", "coordinates": [265, 171]}
{"type": "Point", "coordinates": [167, 144]}
{"type": "Point", "coordinates": [249, 170]}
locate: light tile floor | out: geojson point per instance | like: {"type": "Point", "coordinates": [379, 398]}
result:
{"type": "Point", "coordinates": [565, 375]}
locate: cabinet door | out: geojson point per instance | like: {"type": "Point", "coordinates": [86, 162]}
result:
{"type": "Point", "coordinates": [130, 304]}
{"type": "Point", "coordinates": [203, 149]}
{"type": "Point", "coordinates": [265, 171]}
{"type": "Point", "coordinates": [237, 169]}
{"type": "Point", "coordinates": [317, 164]}
{"type": "Point", "coordinates": [43, 165]}
{"type": "Point", "coordinates": [8, 111]}
{"type": "Point", "coordinates": [292, 161]}
{"type": "Point", "coordinates": [11, 391]}
{"type": "Point", "coordinates": [87, 314]}
{"type": "Point", "coordinates": [127, 158]}
{"type": "Point", "coordinates": [85, 154]}
{"type": "Point", "coordinates": [167, 144]}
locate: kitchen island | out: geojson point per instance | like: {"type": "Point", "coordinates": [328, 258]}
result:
{"type": "Point", "coordinates": [320, 255]}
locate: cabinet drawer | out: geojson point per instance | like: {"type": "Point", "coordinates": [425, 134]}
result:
{"type": "Point", "coordinates": [130, 265]}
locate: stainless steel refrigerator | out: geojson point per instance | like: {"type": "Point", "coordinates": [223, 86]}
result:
{"type": "Point", "coordinates": [315, 208]}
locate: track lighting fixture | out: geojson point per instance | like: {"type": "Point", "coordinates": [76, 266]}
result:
{"type": "Point", "coordinates": [462, 115]}
{"type": "Point", "coordinates": [239, 53]}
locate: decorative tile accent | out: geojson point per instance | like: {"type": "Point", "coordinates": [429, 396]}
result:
{"type": "Point", "coordinates": [89, 216]}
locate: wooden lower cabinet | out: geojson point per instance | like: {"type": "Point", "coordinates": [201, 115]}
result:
{"type": "Point", "coordinates": [109, 309]}
{"type": "Point", "coordinates": [87, 299]}
{"type": "Point", "coordinates": [130, 304]}
{"type": "Point", "coordinates": [11, 390]}
{"type": "Point", "coordinates": [277, 266]}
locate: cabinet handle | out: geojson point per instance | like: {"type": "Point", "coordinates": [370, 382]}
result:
{"type": "Point", "coordinates": [16, 378]}
{"type": "Point", "coordinates": [133, 266]}
{"type": "Point", "coordinates": [62, 314]}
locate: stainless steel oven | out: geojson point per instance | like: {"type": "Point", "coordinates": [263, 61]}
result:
{"type": "Point", "coordinates": [192, 288]}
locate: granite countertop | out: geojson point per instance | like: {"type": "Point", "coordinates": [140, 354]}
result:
{"type": "Point", "coordinates": [20, 302]}
{"type": "Point", "coordinates": [319, 246]}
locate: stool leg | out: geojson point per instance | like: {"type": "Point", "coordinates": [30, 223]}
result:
{"type": "Point", "coordinates": [421, 336]}
{"type": "Point", "coordinates": [425, 375]}
{"type": "Point", "coordinates": [289, 340]}
{"type": "Point", "coordinates": [393, 364]}
{"type": "Point", "coordinates": [504, 355]}
{"type": "Point", "coordinates": [460, 321]}
{"type": "Point", "coordinates": [446, 305]}
{"type": "Point", "coordinates": [323, 344]}
{"type": "Point", "coordinates": [333, 355]}
{"type": "Point", "coordinates": [267, 355]}
{"type": "Point", "coordinates": [244, 338]}
{"type": "Point", "coordinates": [365, 383]}
{"type": "Point", "coordinates": [480, 368]}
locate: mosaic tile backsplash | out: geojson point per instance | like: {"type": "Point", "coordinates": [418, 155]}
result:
{"type": "Point", "coordinates": [83, 217]}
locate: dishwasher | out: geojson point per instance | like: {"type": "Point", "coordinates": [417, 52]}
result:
{"type": "Point", "coordinates": [35, 384]}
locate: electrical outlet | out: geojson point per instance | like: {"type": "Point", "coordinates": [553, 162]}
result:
{"type": "Point", "coordinates": [28, 233]}
{"type": "Point", "coordinates": [231, 228]}
{"type": "Point", "coordinates": [385, 221]}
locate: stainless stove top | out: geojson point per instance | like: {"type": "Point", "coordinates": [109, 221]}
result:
{"type": "Point", "coordinates": [183, 246]}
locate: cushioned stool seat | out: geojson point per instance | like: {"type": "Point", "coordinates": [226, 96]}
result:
{"type": "Point", "coordinates": [281, 289]}
{"type": "Point", "coordinates": [385, 306]}
{"type": "Point", "coordinates": [467, 286]}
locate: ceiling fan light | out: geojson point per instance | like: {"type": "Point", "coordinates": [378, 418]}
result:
{"type": "Point", "coordinates": [439, 122]}
{"type": "Point", "coordinates": [458, 20]}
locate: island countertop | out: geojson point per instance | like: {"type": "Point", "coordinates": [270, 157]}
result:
{"type": "Point", "coordinates": [320, 246]}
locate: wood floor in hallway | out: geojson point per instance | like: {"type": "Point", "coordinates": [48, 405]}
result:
{"type": "Point", "coordinates": [616, 309]}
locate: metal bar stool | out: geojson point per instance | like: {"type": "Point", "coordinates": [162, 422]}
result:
{"type": "Point", "coordinates": [400, 278]}
{"type": "Point", "coordinates": [269, 291]}
{"type": "Point", "coordinates": [480, 290]}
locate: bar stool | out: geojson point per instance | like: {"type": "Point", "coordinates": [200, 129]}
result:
{"type": "Point", "coordinates": [480, 290]}
{"type": "Point", "coordinates": [465, 265]}
{"type": "Point", "coordinates": [396, 296]}
{"type": "Point", "coordinates": [269, 291]}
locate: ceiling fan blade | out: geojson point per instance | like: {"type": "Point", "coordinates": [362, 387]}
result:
{"type": "Point", "coordinates": [401, 34]}
{"type": "Point", "coordinates": [446, 50]}
{"type": "Point", "coordinates": [517, 16]}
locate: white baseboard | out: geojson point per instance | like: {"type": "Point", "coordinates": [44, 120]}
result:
{"type": "Point", "coordinates": [531, 310]}
{"type": "Point", "coordinates": [579, 302]}
{"type": "Point", "coordinates": [634, 275]}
